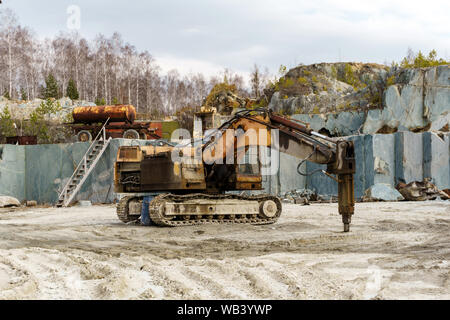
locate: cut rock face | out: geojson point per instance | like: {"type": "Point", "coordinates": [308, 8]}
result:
{"type": "Point", "coordinates": [382, 192]}
{"type": "Point", "coordinates": [418, 101]}
{"type": "Point", "coordinates": [6, 202]}
{"type": "Point", "coordinates": [378, 101]}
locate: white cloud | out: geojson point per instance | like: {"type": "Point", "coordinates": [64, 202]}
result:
{"type": "Point", "coordinates": [193, 66]}
{"type": "Point", "coordinates": [186, 66]}
{"type": "Point", "coordinates": [207, 36]}
{"type": "Point", "coordinates": [192, 31]}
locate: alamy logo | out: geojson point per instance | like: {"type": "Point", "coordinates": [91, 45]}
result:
{"type": "Point", "coordinates": [74, 18]}
{"type": "Point", "coordinates": [252, 147]}
{"type": "Point", "coordinates": [373, 285]}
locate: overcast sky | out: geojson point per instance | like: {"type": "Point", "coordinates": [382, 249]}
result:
{"type": "Point", "coordinates": [209, 35]}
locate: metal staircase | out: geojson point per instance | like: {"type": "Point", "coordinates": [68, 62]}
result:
{"type": "Point", "coordinates": [85, 167]}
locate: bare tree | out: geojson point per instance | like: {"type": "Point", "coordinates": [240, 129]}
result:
{"type": "Point", "coordinates": [10, 33]}
{"type": "Point", "coordinates": [105, 68]}
{"type": "Point", "coordinates": [255, 81]}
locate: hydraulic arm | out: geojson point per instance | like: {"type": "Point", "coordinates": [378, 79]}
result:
{"type": "Point", "coordinates": [298, 140]}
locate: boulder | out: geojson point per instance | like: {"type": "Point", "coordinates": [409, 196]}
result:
{"type": "Point", "coordinates": [303, 196]}
{"type": "Point", "coordinates": [6, 201]}
{"type": "Point", "coordinates": [83, 203]}
{"type": "Point", "coordinates": [31, 203]}
{"type": "Point", "coordinates": [382, 192]}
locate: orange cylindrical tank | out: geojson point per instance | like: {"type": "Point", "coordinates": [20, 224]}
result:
{"type": "Point", "coordinates": [117, 113]}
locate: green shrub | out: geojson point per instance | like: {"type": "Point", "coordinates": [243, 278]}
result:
{"type": "Point", "coordinates": [376, 99]}
{"type": "Point", "coordinates": [51, 87]}
{"type": "Point", "coordinates": [302, 80]}
{"type": "Point", "coordinates": [23, 94]}
{"type": "Point", "coordinates": [287, 83]}
{"type": "Point", "coordinates": [390, 81]}
{"type": "Point", "coordinates": [6, 123]}
{"type": "Point", "coordinates": [299, 110]}
{"type": "Point", "coordinates": [349, 76]}
{"type": "Point", "coordinates": [419, 60]}
{"type": "Point", "coordinates": [100, 102]}
{"type": "Point", "coordinates": [38, 120]}
{"type": "Point", "coordinates": [72, 91]}
{"type": "Point", "coordinates": [333, 72]}
{"type": "Point", "coordinates": [282, 71]}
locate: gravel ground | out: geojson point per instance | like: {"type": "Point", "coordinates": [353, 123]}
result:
{"type": "Point", "coordinates": [398, 250]}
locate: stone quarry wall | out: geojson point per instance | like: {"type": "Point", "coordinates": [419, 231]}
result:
{"type": "Point", "coordinates": [38, 172]}
{"type": "Point", "coordinates": [380, 158]}
{"type": "Point", "coordinates": [415, 100]}
{"type": "Point", "coordinates": [420, 100]}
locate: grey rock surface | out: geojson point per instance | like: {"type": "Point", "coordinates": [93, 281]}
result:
{"type": "Point", "coordinates": [21, 110]}
{"type": "Point", "coordinates": [419, 100]}
{"type": "Point", "coordinates": [416, 100]}
{"type": "Point", "coordinates": [382, 192]}
{"type": "Point", "coordinates": [328, 87]}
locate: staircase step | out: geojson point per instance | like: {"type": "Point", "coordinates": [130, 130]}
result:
{"type": "Point", "coordinates": [84, 168]}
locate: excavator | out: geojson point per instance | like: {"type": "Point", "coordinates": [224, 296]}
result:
{"type": "Point", "coordinates": [209, 181]}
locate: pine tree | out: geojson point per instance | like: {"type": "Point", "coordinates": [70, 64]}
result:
{"type": "Point", "coordinates": [51, 89]}
{"type": "Point", "coordinates": [23, 94]}
{"type": "Point", "coordinates": [6, 95]}
{"type": "Point", "coordinates": [6, 123]}
{"type": "Point", "coordinates": [100, 102]}
{"type": "Point", "coordinates": [72, 91]}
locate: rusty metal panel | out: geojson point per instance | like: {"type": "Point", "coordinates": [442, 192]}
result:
{"type": "Point", "coordinates": [23, 140]}
{"type": "Point", "coordinates": [193, 173]}
{"type": "Point", "coordinates": [129, 154]}
{"type": "Point", "coordinates": [248, 186]}
{"type": "Point", "coordinates": [157, 127]}
{"type": "Point", "coordinates": [160, 173]}
{"type": "Point", "coordinates": [249, 178]}
{"type": "Point", "coordinates": [248, 182]}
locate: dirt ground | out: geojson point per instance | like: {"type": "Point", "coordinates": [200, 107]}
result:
{"type": "Point", "coordinates": [394, 251]}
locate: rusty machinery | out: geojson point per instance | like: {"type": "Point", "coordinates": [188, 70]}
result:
{"type": "Point", "coordinates": [88, 121]}
{"type": "Point", "coordinates": [191, 189]}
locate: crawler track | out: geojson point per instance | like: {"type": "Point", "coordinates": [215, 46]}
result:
{"type": "Point", "coordinates": [157, 208]}
{"type": "Point", "coordinates": [122, 210]}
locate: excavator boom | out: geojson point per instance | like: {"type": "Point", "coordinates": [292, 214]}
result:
{"type": "Point", "coordinates": [297, 140]}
